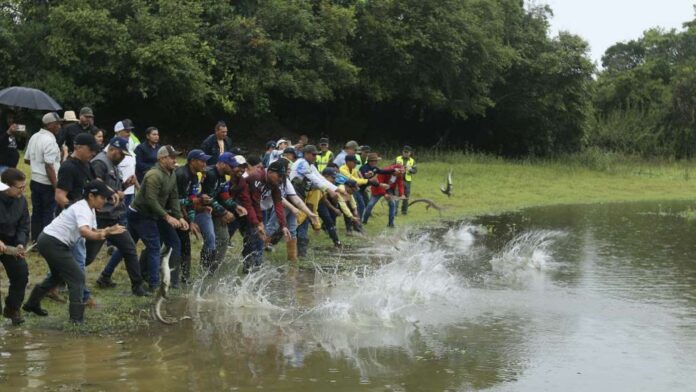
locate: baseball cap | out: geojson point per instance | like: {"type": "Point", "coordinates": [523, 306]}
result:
{"type": "Point", "coordinates": [407, 148]}
{"type": "Point", "coordinates": [351, 158]}
{"type": "Point", "coordinates": [324, 140]}
{"type": "Point", "coordinates": [197, 154]}
{"type": "Point", "coordinates": [352, 144]}
{"type": "Point", "coordinates": [3, 187]}
{"type": "Point", "coordinates": [278, 167]}
{"type": "Point", "coordinates": [123, 125]}
{"type": "Point", "coordinates": [364, 148]}
{"type": "Point", "coordinates": [329, 171]}
{"type": "Point", "coordinates": [229, 159]}
{"type": "Point", "coordinates": [51, 117]}
{"type": "Point", "coordinates": [86, 111]}
{"type": "Point", "coordinates": [240, 159]}
{"type": "Point", "coordinates": [86, 139]}
{"type": "Point", "coordinates": [270, 143]}
{"type": "Point", "coordinates": [121, 143]}
{"type": "Point", "coordinates": [99, 188]}
{"type": "Point", "coordinates": [281, 141]}
{"type": "Point", "coordinates": [167, 151]}
{"type": "Point", "coordinates": [289, 150]}
{"type": "Point", "coordinates": [310, 149]}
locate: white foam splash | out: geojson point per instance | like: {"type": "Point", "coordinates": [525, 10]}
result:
{"type": "Point", "coordinates": [529, 251]}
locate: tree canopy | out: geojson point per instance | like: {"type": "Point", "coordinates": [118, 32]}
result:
{"type": "Point", "coordinates": [485, 74]}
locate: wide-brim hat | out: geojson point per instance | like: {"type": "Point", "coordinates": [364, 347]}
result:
{"type": "Point", "coordinates": [69, 116]}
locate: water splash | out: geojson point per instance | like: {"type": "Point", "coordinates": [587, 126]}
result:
{"type": "Point", "coordinates": [527, 252]}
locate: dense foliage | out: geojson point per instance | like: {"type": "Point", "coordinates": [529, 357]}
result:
{"type": "Point", "coordinates": [645, 97]}
{"type": "Point", "coordinates": [484, 74]}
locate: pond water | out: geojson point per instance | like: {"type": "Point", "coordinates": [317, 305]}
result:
{"type": "Point", "coordinates": [572, 298]}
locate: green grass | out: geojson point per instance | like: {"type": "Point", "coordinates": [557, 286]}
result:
{"type": "Point", "coordinates": [482, 185]}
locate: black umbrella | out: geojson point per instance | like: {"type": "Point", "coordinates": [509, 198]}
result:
{"type": "Point", "coordinates": [29, 98]}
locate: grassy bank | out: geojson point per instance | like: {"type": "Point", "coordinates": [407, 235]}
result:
{"type": "Point", "coordinates": [482, 184]}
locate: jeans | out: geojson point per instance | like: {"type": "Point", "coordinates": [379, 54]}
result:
{"type": "Point", "coordinates": [373, 201]}
{"type": "Point", "coordinates": [205, 222]}
{"type": "Point", "coordinates": [125, 246]}
{"type": "Point", "coordinates": [359, 203]}
{"type": "Point", "coordinates": [273, 224]}
{"type": "Point", "coordinates": [18, 273]}
{"type": "Point", "coordinates": [407, 194]}
{"type": "Point", "coordinates": [79, 252]}
{"type": "Point", "coordinates": [63, 267]}
{"type": "Point", "coordinates": [150, 231]}
{"type": "Point", "coordinates": [222, 237]}
{"type": "Point", "coordinates": [43, 205]}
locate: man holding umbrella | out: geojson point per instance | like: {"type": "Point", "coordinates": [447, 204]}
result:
{"type": "Point", "coordinates": [43, 155]}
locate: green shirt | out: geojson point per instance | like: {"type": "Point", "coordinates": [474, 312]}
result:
{"type": "Point", "coordinates": [158, 194]}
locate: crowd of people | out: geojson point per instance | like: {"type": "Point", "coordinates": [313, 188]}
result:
{"type": "Point", "coordinates": [86, 191]}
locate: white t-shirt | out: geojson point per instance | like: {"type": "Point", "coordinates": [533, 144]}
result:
{"type": "Point", "coordinates": [42, 149]}
{"type": "Point", "coordinates": [267, 198]}
{"type": "Point", "coordinates": [127, 169]}
{"type": "Point", "coordinates": [66, 227]}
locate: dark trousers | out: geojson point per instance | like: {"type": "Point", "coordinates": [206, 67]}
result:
{"type": "Point", "coordinates": [252, 250]}
{"type": "Point", "coordinates": [185, 240]}
{"type": "Point", "coordinates": [329, 221]}
{"type": "Point", "coordinates": [43, 204]}
{"type": "Point", "coordinates": [18, 273]}
{"type": "Point", "coordinates": [63, 267]}
{"type": "Point", "coordinates": [125, 245]}
{"type": "Point", "coordinates": [407, 193]}
{"type": "Point", "coordinates": [150, 231]}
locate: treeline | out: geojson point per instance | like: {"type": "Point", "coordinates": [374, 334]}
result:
{"type": "Point", "coordinates": [479, 74]}
{"type": "Point", "coordinates": [645, 97]}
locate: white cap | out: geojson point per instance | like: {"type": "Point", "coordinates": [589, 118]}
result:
{"type": "Point", "coordinates": [119, 126]}
{"type": "Point", "coordinates": [240, 159]}
{"type": "Point", "coordinates": [51, 118]}
{"type": "Point", "coordinates": [281, 141]}
{"type": "Point", "coordinates": [3, 187]}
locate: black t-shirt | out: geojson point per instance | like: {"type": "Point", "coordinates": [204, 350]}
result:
{"type": "Point", "coordinates": [68, 137]}
{"type": "Point", "coordinates": [72, 177]}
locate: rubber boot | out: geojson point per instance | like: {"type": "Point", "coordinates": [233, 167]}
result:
{"type": "Point", "coordinates": [77, 312]}
{"type": "Point", "coordinates": [302, 245]}
{"type": "Point", "coordinates": [33, 304]}
{"type": "Point", "coordinates": [291, 247]}
{"type": "Point", "coordinates": [13, 314]}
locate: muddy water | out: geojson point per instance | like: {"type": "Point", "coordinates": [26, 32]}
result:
{"type": "Point", "coordinates": [571, 298]}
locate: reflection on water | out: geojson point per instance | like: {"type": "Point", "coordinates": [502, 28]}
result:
{"type": "Point", "coordinates": [558, 298]}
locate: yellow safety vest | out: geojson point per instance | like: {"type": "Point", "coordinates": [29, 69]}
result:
{"type": "Point", "coordinates": [323, 159]}
{"type": "Point", "coordinates": [410, 163]}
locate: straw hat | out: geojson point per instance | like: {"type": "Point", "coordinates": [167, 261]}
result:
{"type": "Point", "coordinates": [69, 116]}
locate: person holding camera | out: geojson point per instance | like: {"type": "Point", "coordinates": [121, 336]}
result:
{"type": "Point", "coordinates": [9, 152]}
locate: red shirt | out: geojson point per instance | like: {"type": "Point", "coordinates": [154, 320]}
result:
{"type": "Point", "coordinates": [258, 186]}
{"type": "Point", "coordinates": [395, 182]}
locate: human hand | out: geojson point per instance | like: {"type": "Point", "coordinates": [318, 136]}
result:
{"type": "Point", "coordinates": [384, 186]}
{"type": "Point", "coordinates": [114, 230]}
{"type": "Point", "coordinates": [173, 222]}
{"type": "Point", "coordinates": [195, 230]}
{"type": "Point", "coordinates": [21, 253]}
{"type": "Point", "coordinates": [287, 234]}
{"type": "Point", "coordinates": [241, 211]}
{"type": "Point", "coordinates": [3, 247]}
{"type": "Point", "coordinates": [227, 218]}
{"type": "Point", "coordinates": [183, 225]}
